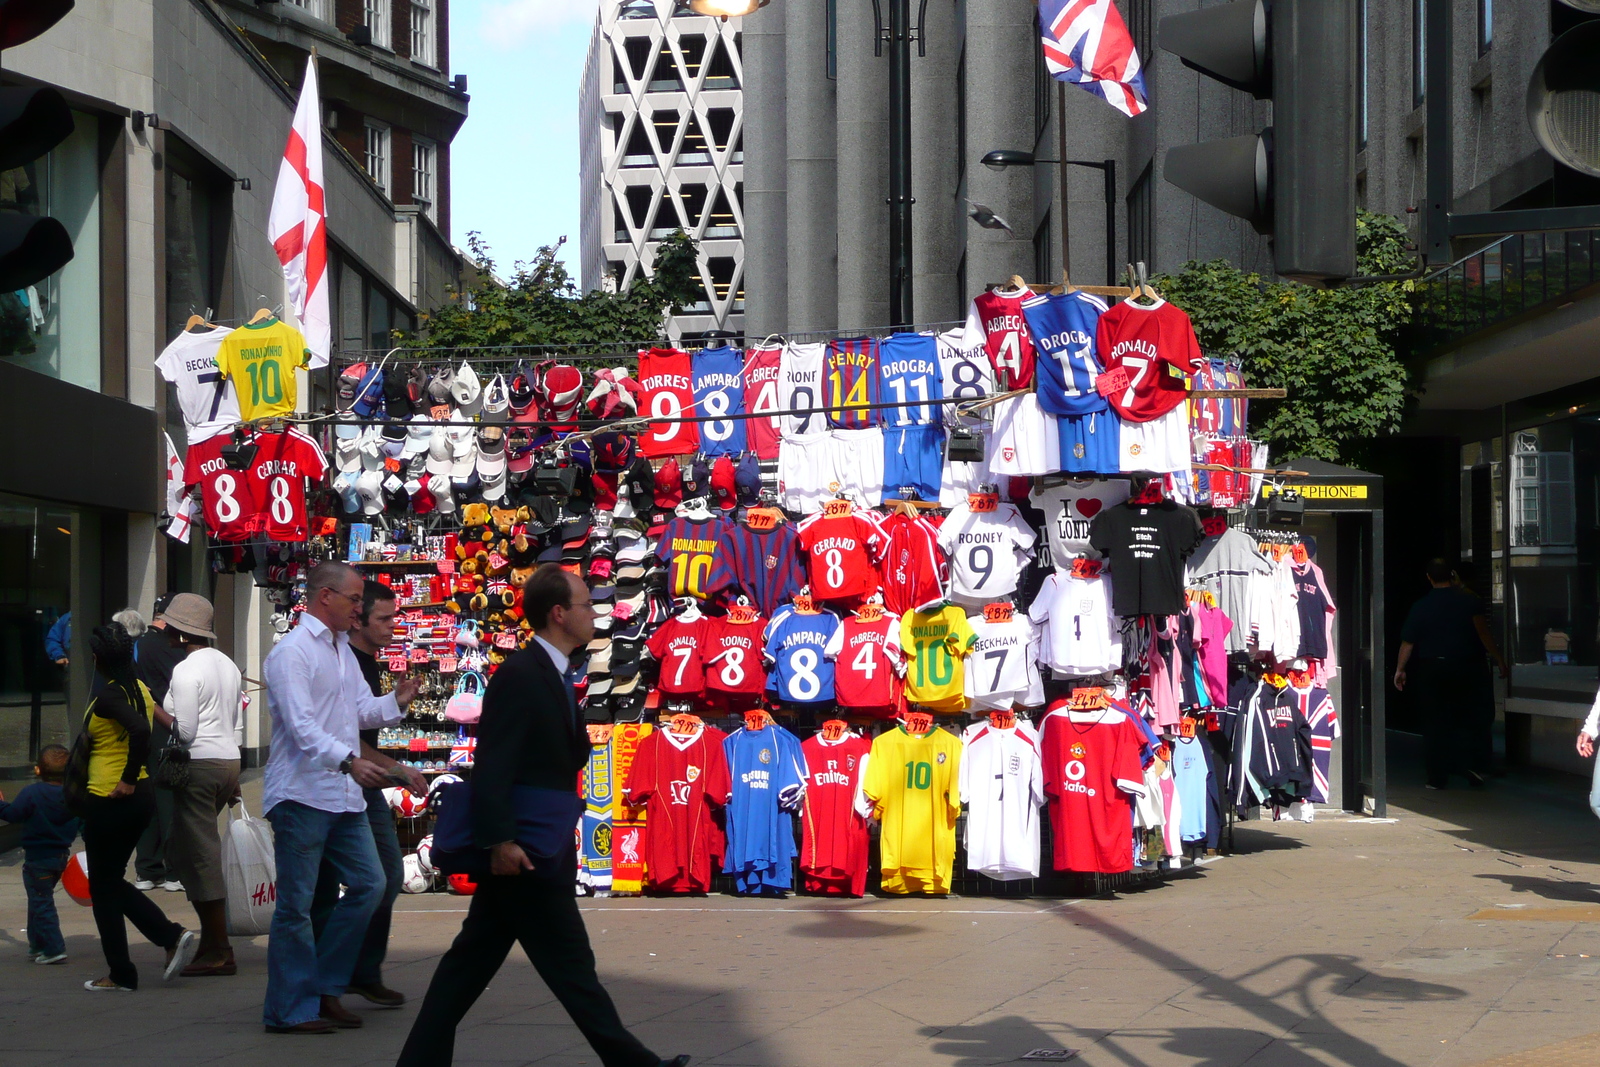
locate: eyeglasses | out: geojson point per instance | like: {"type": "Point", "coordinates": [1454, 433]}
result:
{"type": "Point", "coordinates": [581, 604]}
{"type": "Point", "coordinates": [354, 598]}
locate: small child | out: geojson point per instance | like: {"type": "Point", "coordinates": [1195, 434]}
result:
{"type": "Point", "coordinates": [46, 847]}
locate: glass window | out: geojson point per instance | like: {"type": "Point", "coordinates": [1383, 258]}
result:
{"type": "Point", "coordinates": [422, 176]}
{"type": "Point", "coordinates": [1485, 25]}
{"type": "Point", "coordinates": [380, 320]}
{"type": "Point", "coordinates": [1419, 54]}
{"type": "Point", "coordinates": [422, 33]}
{"type": "Point", "coordinates": [378, 155]}
{"type": "Point", "coordinates": [320, 9]}
{"type": "Point", "coordinates": [376, 13]}
{"type": "Point", "coordinates": [53, 326]}
{"type": "Point", "coordinates": [35, 591]}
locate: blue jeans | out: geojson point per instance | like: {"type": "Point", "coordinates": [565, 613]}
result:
{"type": "Point", "coordinates": [1594, 789]}
{"type": "Point", "coordinates": [369, 965]}
{"type": "Point", "coordinates": [302, 967]}
{"type": "Point", "coordinates": [39, 878]}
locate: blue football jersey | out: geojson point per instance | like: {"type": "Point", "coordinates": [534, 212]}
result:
{"type": "Point", "coordinates": [908, 370]}
{"type": "Point", "coordinates": [794, 643]}
{"type": "Point", "coordinates": [1063, 326]}
{"type": "Point", "coordinates": [718, 383]}
{"type": "Point", "coordinates": [768, 771]}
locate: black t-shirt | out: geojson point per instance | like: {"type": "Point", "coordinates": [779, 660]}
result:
{"type": "Point", "coordinates": [155, 654]}
{"type": "Point", "coordinates": [1145, 546]}
{"type": "Point", "coordinates": [1440, 626]}
{"type": "Point", "coordinates": [373, 673]}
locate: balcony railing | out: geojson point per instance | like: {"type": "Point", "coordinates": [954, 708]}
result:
{"type": "Point", "coordinates": [1514, 275]}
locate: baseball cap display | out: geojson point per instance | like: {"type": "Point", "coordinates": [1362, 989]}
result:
{"type": "Point", "coordinates": [496, 400]}
{"type": "Point", "coordinates": [466, 391]}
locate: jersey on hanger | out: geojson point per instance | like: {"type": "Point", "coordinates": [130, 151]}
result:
{"type": "Point", "coordinates": [764, 565]}
{"type": "Point", "coordinates": [795, 642]}
{"type": "Point", "coordinates": [912, 784]}
{"type": "Point", "coordinates": [666, 376]}
{"type": "Point", "coordinates": [1144, 341]}
{"type": "Point", "coordinates": [986, 550]}
{"type": "Point", "coordinates": [261, 359]}
{"type": "Point", "coordinates": [833, 850]}
{"type": "Point", "coordinates": [867, 664]}
{"type": "Point", "coordinates": [228, 498]}
{"type": "Point", "coordinates": [767, 773]}
{"type": "Point", "coordinates": [207, 399]}
{"type": "Point", "coordinates": [908, 371]}
{"type": "Point", "coordinates": [914, 566]}
{"type": "Point", "coordinates": [1092, 770]}
{"type": "Point", "coordinates": [733, 653]}
{"type": "Point", "coordinates": [761, 368]}
{"type": "Point", "coordinates": [678, 780]}
{"type": "Point", "coordinates": [1002, 784]}
{"type": "Point", "coordinates": [965, 372]}
{"type": "Point", "coordinates": [1081, 636]}
{"type": "Point", "coordinates": [800, 388]}
{"type": "Point", "coordinates": [935, 643]}
{"type": "Point", "coordinates": [997, 666]}
{"type": "Point", "coordinates": [1068, 509]}
{"type": "Point", "coordinates": [679, 646]}
{"type": "Point", "coordinates": [995, 320]}
{"type": "Point", "coordinates": [850, 380]}
{"type": "Point", "coordinates": [719, 384]}
{"type": "Point", "coordinates": [689, 550]}
{"type": "Point", "coordinates": [1063, 327]}
{"type": "Point", "coordinates": [277, 481]}
{"type": "Point", "coordinates": [842, 554]}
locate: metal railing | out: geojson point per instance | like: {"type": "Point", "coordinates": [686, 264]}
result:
{"type": "Point", "coordinates": [1516, 274]}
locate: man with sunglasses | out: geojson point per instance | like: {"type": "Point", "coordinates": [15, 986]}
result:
{"type": "Point", "coordinates": [313, 797]}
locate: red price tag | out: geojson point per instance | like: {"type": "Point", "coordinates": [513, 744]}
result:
{"type": "Point", "coordinates": [1087, 568]}
{"type": "Point", "coordinates": [1112, 381]}
{"type": "Point", "coordinates": [496, 561]}
{"type": "Point", "coordinates": [997, 612]}
{"type": "Point", "coordinates": [419, 655]}
{"type": "Point", "coordinates": [505, 640]}
{"type": "Point", "coordinates": [397, 665]}
{"type": "Point", "coordinates": [804, 604]}
{"type": "Point", "coordinates": [762, 519]}
{"type": "Point", "coordinates": [870, 613]}
{"type": "Point", "coordinates": [418, 744]}
{"type": "Point", "coordinates": [919, 722]}
{"type": "Point", "coordinates": [446, 566]}
{"type": "Point", "coordinates": [741, 614]}
{"type": "Point", "coordinates": [981, 502]}
{"type": "Point", "coordinates": [835, 509]}
{"type": "Point", "coordinates": [447, 664]}
{"type": "Point", "coordinates": [439, 412]}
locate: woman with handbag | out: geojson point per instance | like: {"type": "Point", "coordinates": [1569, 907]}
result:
{"type": "Point", "coordinates": [203, 698]}
{"type": "Point", "coordinates": [113, 793]}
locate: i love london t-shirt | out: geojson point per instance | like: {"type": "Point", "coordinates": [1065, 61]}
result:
{"type": "Point", "coordinates": [1069, 508]}
{"type": "Point", "coordinates": [1145, 546]}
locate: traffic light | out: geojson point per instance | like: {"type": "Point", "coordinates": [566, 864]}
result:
{"type": "Point", "coordinates": [1295, 180]}
{"type": "Point", "coordinates": [32, 122]}
{"type": "Point", "coordinates": [1564, 91]}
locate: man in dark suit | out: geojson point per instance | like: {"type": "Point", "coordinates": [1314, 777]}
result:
{"type": "Point", "coordinates": [530, 734]}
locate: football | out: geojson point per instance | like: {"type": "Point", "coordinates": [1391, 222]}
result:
{"type": "Point", "coordinates": [417, 880]}
{"type": "Point", "coordinates": [425, 854]}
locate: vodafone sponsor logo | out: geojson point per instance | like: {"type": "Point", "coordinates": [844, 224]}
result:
{"type": "Point", "coordinates": [1074, 771]}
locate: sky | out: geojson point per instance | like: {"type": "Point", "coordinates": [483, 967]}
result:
{"type": "Point", "coordinates": [514, 165]}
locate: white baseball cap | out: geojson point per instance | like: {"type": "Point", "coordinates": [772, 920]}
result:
{"type": "Point", "coordinates": [441, 456]}
{"type": "Point", "coordinates": [419, 435]}
{"type": "Point", "coordinates": [370, 486]}
{"type": "Point", "coordinates": [444, 499]}
{"type": "Point", "coordinates": [372, 449]}
{"type": "Point", "coordinates": [497, 400]}
{"type": "Point", "coordinates": [466, 390]}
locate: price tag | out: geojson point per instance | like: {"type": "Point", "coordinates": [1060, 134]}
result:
{"type": "Point", "coordinates": [447, 664]}
{"type": "Point", "coordinates": [741, 614]}
{"type": "Point", "coordinates": [869, 613]}
{"type": "Point", "coordinates": [762, 519]}
{"type": "Point", "coordinates": [997, 613]}
{"type": "Point", "coordinates": [439, 412]}
{"type": "Point", "coordinates": [1214, 525]}
{"type": "Point", "coordinates": [1112, 381]}
{"type": "Point", "coordinates": [599, 733]}
{"type": "Point", "coordinates": [505, 640]}
{"type": "Point", "coordinates": [1087, 568]}
{"type": "Point", "coordinates": [496, 561]}
{"type": "Point", "coordinates": [1089, 698]}
{"type": "Point", "coordinates": [397, 665]}
{"type": "Point", "coordinates": [804, 604]}
{"type": "Point", "coordinates": [982, 502]}
{"type": "Point", "coordinates": [836, 509]}
{"type": "Point", "coordinates": [445, 566]}
{"type": "Point", "coordinates": [918, 722]}
{"type": "Point", "coordinates": [420, 655]}
{"type": "Point", "coordinates": [326, 526]}
{"type": "Point", "coordinates": [418, 744]}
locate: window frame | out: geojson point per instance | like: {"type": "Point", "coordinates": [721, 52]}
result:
{"type": "Point", "coordinates": [423, 147]}
{"type": "Point", "coordinates": [379, 16]}
{"type": "Point", "coordinates": [372, 131]}
{"type": "Point", "coordinates": [428, 54]}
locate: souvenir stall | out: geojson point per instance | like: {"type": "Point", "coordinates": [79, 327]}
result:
{"type": "Point", "coordinates": [971, 608]}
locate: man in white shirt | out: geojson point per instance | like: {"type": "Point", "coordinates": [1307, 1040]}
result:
{"type": "Point", "coordinates": [312, 795]}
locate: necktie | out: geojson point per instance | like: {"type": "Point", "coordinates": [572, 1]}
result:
{"type": "Point", "coordinates": [570, 680]}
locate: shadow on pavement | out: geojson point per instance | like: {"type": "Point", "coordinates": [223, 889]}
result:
{"type": "Point", "coordinates": [1549, 888]}
{"type": "Point", "coordinates": [842, 924]}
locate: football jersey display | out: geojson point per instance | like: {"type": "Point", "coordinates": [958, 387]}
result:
{"type": "Point", "coordinates": [679, 780]}
{"type": "Point", "coordinates": [842, 554]}
{"type": "Point", "coordinates": [206, 398]}
{"type": "Point", "coordinates": [276, 482]}
{"type": "Point", "coordinates": [934, 644]}
{"type": "Point", "coordinates": [965, 372]}
{"type": "Point", "coordinates": [913, 462]}
{"type": "Point", "coordinates": [1081, 636]}
{"type": "Point", "coordinates": [1144, 341]}
{"type": "Point", "coordinates": [1092, 772]}
{"type": "Point", "coordinates": [689, 550]}
{"type": "Point", "coordinates": [666, 376]}
{"type": "Point", "coordinates": [1145, 546]}
{"type": "Point", "coordinates": [1063, 327]}
{"type": "Point", "coordinates": [767, 776]}
{"type": "Point", "coordinates": [679, 645]}
{"type": "Point", "coordinates": [914, 566]}
{"type": "Point", "coordinates": [866, 664]}
{"type": "Point", "coordinates": [996, 322]}
{"type": "Point", "coordinates": [912, 783]}
{"type": "Point", "coordinates": [226, 497]}
{"type": "Point", "coordinates": [733, 653]}
{"type": "Point", "coordinates": [1069, 508]}
{"type": "Point", "coordinates": [761, 369]}
{"type": "Point", "coordinates": [997, 665]}
{"type": "Point", "coordinates": [909, 373]}
{"type": "Point", "coordinates": [986, 549]}
{"type": "Point", "coordinates": [833, 849]}
{"type": "Point", "coordinates": [718, 383]}
{"type": "Point", "coordinates": [260, 359]}
{"type": "Point", "coordinates": [764, 565]}
{"type": "Point", "coordinates": [850, 382]}
{"type": "Point", "coordinates": [1002, 784]}
{"type": "Point", "coordinates": [797, 670]}
{"type": "Point", "coordinates": [800, 388]}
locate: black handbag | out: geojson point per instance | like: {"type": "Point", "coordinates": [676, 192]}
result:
{"type": "Point", "coordinates": [171, 764]}
{"type": "Point", "coordinates": [75, 780]}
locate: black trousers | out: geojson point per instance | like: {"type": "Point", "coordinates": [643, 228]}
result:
{"type": "Point", "coordinates": [111, 829]}
{"type": "Point", "coordinates": [543, 915]}
{"type": "Point", "coordinates": [1456, 734]}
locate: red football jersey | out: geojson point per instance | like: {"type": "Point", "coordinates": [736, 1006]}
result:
{"type": "Point", "coordinates": [732, 657]}
{"type": "Point", "coordinates": [679, 780]}
{"type": "Point", "coordinates": [278, 481]}
{"type": "Point", "coordinates": [1090, 770]}
{"type": "Point", "coordinates": [1139, 340]}
{"type": "Point", "coordinates": [995, 321]}
{"type": "Point", "coordinates": [761, 394]}
{"type": "Point", "coordinates": [833, 852]}
{"type": "Point", "coordinates": [842, 554]}
{"type": "Point", "coordinates": [665, 377]}
{"type": "Point", "coordinates": [679, 647]}
{"type": "Point", "coordinates": [914, 566]}
{"type": "Point", "coordinates": [228, 498]}
{"type": "Point", "coordinates": [850, 382]}
{"type": "Point", "coordinates": [866, 665]}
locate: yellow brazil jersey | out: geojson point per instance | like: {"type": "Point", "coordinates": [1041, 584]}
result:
{"type": "Point", "coordinates": [935, 643]}
{"type": "Point", "coordinates": [261, 359]}
{"type": "Point", "coordinates": [912, 784]}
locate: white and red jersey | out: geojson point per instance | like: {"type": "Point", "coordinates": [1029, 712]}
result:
{"type": "Point", "coordinates": [1092, 772]}
{"type": "Point", "coordinates": [866, 664]}
{"type": "Point", "coordinates": [833, 851]}
{"type": "Point", "coordinates": [732, 656]}
{"type": "Point", "coordinates": [227, 496]}
{"type": "Point", "coordinates": [1002, 784]}
{"type": "Point", "coordinates": [667, 378]}
{"type": "Point", "coordinates": [995, 320]}
{"type": "Point", "coordinates": [1143, 341]}
{"type": "Point", "coordinates": [914, 568]}
{"type": "Point", "coordinates": [678, 780]}
{"type": "Point", "coordinates": [761, 367]}
{"type": "Point", "coordinates": [277, 478]}
{"type": "Point", "coordinates": [842, 554]}
{"type": "Point", "coordinates": [679, 646]}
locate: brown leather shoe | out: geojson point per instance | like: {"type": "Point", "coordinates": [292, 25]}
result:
{"type": "Point", "coordinates": [310, 1026]}
{"type": "Point", "coordinates": [379, 994]}
{"type": "Point", "coordinates": [339, 1015]}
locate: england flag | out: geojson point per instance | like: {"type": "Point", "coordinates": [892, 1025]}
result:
{"type": "Point", "coordinates": [1087, 43]}
{"type": "Point", "coordinates": [297, 226]}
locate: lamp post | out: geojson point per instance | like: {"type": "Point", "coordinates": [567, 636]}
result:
{"type": "Point", "coordinates": [1001, 158]}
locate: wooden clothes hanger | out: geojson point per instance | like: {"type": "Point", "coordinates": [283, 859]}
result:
{"type": "Point", "coordinates": [261, 315]}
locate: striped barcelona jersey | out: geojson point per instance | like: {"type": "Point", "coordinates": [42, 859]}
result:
{"type": "Point", "coordinates": [689, 551]}
{"type": "Point", "coordinates": [850, 382]}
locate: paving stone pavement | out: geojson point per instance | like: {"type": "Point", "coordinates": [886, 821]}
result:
{"type": "Point", "coordinates": [1343, 942]}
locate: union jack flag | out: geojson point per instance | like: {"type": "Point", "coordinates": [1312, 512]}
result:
{"type": "Point", "coordinates": [1087, 43]}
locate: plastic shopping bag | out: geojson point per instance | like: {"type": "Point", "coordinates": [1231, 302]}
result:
{"type": "Point", "coordinates": [250, 872]}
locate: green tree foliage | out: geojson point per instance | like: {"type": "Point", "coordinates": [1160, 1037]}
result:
{"type": "Point", "coordinates": [541, 304]}
{"type": "Point", "coordinates": [1334, 350]}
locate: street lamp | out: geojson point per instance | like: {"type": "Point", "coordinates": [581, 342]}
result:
{"type": "Point", "coordinates": [727, 9]}
{"type": "Point", "coordinates": [1001, 158]}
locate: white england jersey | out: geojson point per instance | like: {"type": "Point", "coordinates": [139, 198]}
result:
{"type": "Point", "coordinates": [1069, 508]}
{"type": "Point", "coordinates": [966, 373]}
{"type": "Point", "coordinates": [1002, 783]}
{"type": "Point", "coordinates": [800, 388]}
{"type": "Point", "coordinates": [997, 665]}
{"type": "Point", "coordinates": [1081, 637]}
{"type": "Point", "coordinates": [206, 398]}
{"type": "Point", "coordinates": [986, 550]}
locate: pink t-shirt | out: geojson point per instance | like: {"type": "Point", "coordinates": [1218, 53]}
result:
{"type": "Point", "coordinates": [1211, 645]}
